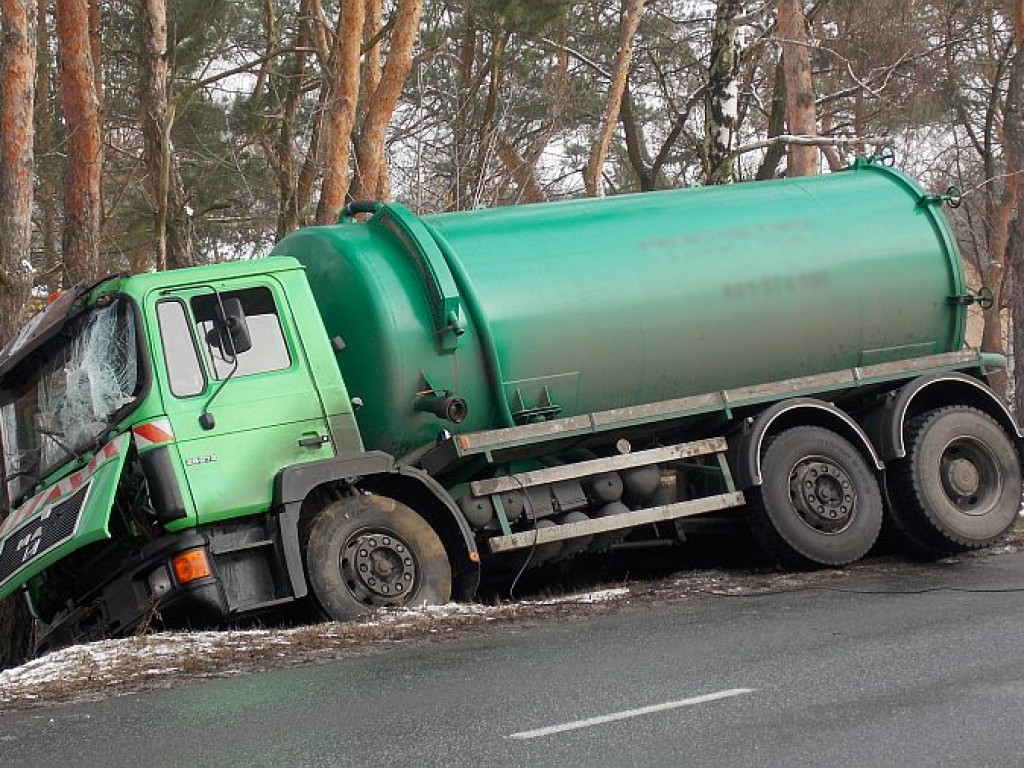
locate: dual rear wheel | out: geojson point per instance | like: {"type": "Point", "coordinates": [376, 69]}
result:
{"type": "Point", "coordinates": [959, 487]}
{"type": "Point", "coordinates": [820, 504]}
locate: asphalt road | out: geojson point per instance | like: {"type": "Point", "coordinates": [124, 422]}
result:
{"type": "Point", "coordinates": [800, 678]}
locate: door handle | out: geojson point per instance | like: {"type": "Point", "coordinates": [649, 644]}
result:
{"type": "Point", "coordinates": [314, 441]}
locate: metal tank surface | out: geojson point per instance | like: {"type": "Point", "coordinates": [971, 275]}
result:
{"type": "Point", "coordinates": [556, 309]}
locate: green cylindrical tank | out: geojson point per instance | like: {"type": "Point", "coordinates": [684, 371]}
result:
{"type": "Point", "coordinates": [557, 309]}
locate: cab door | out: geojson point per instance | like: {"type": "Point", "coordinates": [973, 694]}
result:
{"type": "Point", "coordinates": [262, 410]}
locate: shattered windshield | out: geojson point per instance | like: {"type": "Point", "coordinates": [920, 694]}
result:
{"type": "Point", "coordinates": [63, 397]}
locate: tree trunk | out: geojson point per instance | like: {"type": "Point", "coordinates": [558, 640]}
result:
{"type": "Point", "coordinates": [17, 79]}
{"type": "Point", "coordinates": [1003, 270]}
{"type": "Point", "coordinates": [372, 27]}
{"type": "Point", "coordinates": [17, 76]}
{"type": "Point", "coordinates": [796, 62]}
{"type": "Point", "coordinates": [82, 211]}
{"type": "Point", "coordinates": [776, 127]}
{"type": "Point", "coordinates": [485, 138]}
{"type": "Point", "coordinates": [636, 147]}
{"type": "Point", "coordinates": [96, 49]}
{"type": "Point", "coordinates": [341, 115]}
{"type": "Point", "coordinates": [312, 15]}
{"type": "Point", "coordinates": [1013, 126]}
{"type": "Point", "coordinates": [48, 272]}
{"type": "Point", "coordinates": [181, 233]}
{"type": "Point", "coordinates": [721, 100]}
{"type": "Point", "coordinates": [593, 173]}
{"type": "Point", "coordinates": [380, 105]}
{"type": "Point", "coordinates": [172, 222]}
{"type": "Point", "coordinates": [153, 100]}
{"type": "Point", "coordinates": [288, 203]}
{"type": "Point", "coordinates": [522, 171]}
{"type": "Point", "coordinates": [464, 97]}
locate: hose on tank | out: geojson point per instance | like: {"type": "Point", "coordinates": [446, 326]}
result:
{"type": "Point", "coordinates": [492, 365]}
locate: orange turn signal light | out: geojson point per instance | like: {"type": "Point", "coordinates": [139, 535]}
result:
{"type": "Point", "coordinates": [191, 565]}
{"type": "Point", "coordinates": [54, 295]}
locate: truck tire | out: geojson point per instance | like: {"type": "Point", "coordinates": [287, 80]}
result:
{"type": "Point", "coordinates": [367, 552]}
{"type": "Point", "coordinates": [959, 487]}
{"type": "Point", "coordinates": [819, 503]}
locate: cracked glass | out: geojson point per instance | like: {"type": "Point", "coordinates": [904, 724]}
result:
{"type": "Point", "coordinates": [67, 393]}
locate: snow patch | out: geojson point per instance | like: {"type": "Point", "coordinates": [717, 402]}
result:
{"type": "Point", "coordinates": [160, 657]}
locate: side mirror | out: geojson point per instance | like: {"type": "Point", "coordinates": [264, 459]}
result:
{"type": "Point", "coordinates": [230, 332]}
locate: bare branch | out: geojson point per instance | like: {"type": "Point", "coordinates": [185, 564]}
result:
{"type": "Point", "coordinates": [812, 141]}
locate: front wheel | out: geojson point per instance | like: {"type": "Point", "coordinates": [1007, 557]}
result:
{"type": "Point", "coordinates": [819, 503]}
{"type": "Point", "coordinates": [367, 552]}
{"type": "Point", "coordinates": [959, 487]}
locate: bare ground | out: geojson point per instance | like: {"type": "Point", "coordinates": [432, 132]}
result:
{"type": "Point", "coordinates": [116, 667]}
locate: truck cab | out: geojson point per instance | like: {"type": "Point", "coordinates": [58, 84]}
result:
{"type": "Point", "coordinates": [143, 422]}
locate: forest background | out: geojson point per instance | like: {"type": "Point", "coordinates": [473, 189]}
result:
{"type": "Point", "coordinates": [142, 135]}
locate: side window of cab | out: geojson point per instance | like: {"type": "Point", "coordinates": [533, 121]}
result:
{"type": "Point", "coordinates": [266, 349]}
{"type": "Point", "coordinates": [198, 343]}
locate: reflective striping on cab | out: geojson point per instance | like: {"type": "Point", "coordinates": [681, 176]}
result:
{"type": "Point", "coordinates": [65, 487]}
{"type": "Point", "coordinates": [152, 433]}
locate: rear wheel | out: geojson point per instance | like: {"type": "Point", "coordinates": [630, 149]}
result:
{"type": "Point", "coordinates": [959, 487]}
{"type": "Point", "coordinates": [819, 503]}
{"type": "Point", "coordinates": [368, 552]}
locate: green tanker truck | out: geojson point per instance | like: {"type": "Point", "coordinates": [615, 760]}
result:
{"type": "Point", "coordinates": [385, 408]}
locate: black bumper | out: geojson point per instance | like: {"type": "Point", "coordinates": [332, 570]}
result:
{"type": "Point", "coordinates": [248, 577]}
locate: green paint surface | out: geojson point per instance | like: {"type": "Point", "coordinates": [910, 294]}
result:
{"type": "Point", "coordinates": [605, 303]}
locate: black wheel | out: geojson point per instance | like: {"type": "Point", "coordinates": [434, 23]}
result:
{"type": "Point", "coordinates": [819, 503]}
{"type": "Point", "coordinates": [959, 487]}
{"type": "Point", "coordinates": [368, 552]}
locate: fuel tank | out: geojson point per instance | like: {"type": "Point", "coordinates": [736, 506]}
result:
{"type": "Point", "coordinates": [554, 309]}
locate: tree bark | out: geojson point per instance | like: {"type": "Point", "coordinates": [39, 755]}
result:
{"type": "Point", "coordinates": [485, 138]}
{"type": "Point", "coordinates": [796, 62]}
{"type": "Point", "coordinates": [153, 100]}
{"type": "Point", "coordinates": [82, 211]}
{"type": "Point", "coordinates": [341, 115]}
{"type": "Point", "coordinates": [593, 173]}
{"type": "Point", "coordinates": [17, 80]}
{"type": "Point", "coordinates": [288, 202]}
{"type": "Point", "coordinates": [776, 127]}
{"type": "Point", "coordinates": [464, 98]}
{"type": "Point", "coordinates": [372, 27]}
{"type": "Point", "coordinates": [96, 49]}
{"type": "Point", "coordinates": [173, 227]}
{"type": "Point", "coordinates": [522, 171]}
{"type": "Point", "coordinates": [380, 105]}
{"type": "Point", "coordinates": [721, 99]}
{"type": "Point", "coordinates": [636, 147]}
{"type": "Point", "coordinates": [1013, 127]}
{"type": "Point", "coordinates": [1003, 270]}
{"type": "Point", "coordinates": [48, 272]}
{"type": "Point", "coordinates": [181, 233]}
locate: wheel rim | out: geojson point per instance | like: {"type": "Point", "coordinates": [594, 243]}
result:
{"type": "Point", "coordinates": [823, 494]}
{"type": "Point", "coordinates": [969, 475]}
{"type": "Point", "coordinates": [379, 568]}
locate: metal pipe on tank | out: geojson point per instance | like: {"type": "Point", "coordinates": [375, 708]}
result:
{"type": "Point", "coordinates": [492, 365]}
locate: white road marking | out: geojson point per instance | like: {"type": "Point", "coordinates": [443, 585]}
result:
{"type": "Point", "coordinates": [626, 714]}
